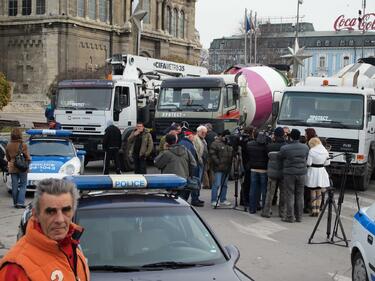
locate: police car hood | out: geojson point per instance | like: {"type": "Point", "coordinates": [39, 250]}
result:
{"type": "Point", "coordinates": [219, 272]}
{"type": "Point", "coordinates": [50, 164]}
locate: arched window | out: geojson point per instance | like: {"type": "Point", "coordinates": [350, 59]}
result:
{"type": "Point", "coordinates": [174, 23]}
{"type": "Point", "coordinates": [12, 7]}
{"type": "Point", "coordinates": [326, 43]}
{"type": "Point", "coordinates": [81, 8]}
{"type": "Point", "coordinates": [103, 10]}
{"type": "Point", "coordinates": [351, 43]}
{"type": "Point", "coordinates": [26, 7]}
{"type": "Point", "coordinates": [318, 43]}
{"type": "Point", "coordinates": [342, 43]}
{"type": "Point", "coordinates": [92, 9]}
{"type": "Point", "coordinates": [169, 19]}
{"type": "Point", "coordinates": [181, 25]}
{"type": "Point", "coordinates": [146, 7]}
{"type": "Point", "coordinates": [346, 60]}
{"type": "Point", "coordinates": [40, 7]}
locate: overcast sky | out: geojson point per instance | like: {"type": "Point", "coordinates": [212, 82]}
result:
{"type": "Point", "coordinates": [218, 18]}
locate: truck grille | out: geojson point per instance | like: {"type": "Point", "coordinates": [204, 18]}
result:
{"type": "Point", "coordinates": [162, 124]}
{"type": "Point", "coordinates": [343, 145]}
{"type": "Point", "coordinates": [82, 128]}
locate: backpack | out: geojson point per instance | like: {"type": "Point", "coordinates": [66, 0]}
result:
{"type": "Point", "coordinates": [20, 160]}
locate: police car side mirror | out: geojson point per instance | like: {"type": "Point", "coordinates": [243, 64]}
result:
{"type": "Point", "coordinates": [233, 253]}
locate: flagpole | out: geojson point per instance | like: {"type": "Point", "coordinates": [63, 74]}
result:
{"type": "Point", "coordinates": [255, 38]}
{"type": "Point", "coordinates": [251, 35]}
{"type": "Point", "coordinates": [245, 28]}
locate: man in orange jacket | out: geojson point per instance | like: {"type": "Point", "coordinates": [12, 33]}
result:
{"type": "Point", "coordinates": [48, 250]}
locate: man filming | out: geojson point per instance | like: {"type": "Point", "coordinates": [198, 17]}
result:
{"type": "Point", "coordinates": [221, 154]}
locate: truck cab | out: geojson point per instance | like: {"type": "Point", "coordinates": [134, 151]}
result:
{"type": "Point", "coordinates": [343, 115]}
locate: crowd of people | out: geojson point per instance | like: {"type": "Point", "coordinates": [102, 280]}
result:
{"type": "Point", "coordinates": [284, 168]}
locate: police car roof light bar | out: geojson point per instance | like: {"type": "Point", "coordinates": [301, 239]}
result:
{"type": "Point", "coordinates": [127, 182]}
{"type": "Point", "coordinates": [48, 132]}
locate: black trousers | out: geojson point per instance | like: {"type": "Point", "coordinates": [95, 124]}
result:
{"type": "Point", "coordinates": [139, 165]}
{"type": "Point", "coordinates": [111, 154]}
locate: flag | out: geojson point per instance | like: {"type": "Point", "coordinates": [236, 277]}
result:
{"type": "Point", "coordinates": [300, 1]}
{"type": "Point", "coordinates": [248, 24]}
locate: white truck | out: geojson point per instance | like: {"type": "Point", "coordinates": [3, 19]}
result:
{"type": "Point", "coordinates": [128, 96]}
{"type": "Point", "coordinates": [342, 110]}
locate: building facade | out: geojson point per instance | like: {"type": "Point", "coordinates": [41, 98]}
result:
{"type": "Point", "coordinates": [40, 39]}
{"type": "Point", "coordinates": [330, 50]}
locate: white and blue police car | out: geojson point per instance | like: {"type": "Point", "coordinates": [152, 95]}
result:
{"type": "Point", "coordinates": [363, 245]}
{"type": "Point", "coordinates": [53, 155]}
{"type": "Point", "coordinates": [137, 228]}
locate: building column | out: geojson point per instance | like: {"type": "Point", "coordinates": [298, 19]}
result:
{"type": "Point", "coordinates": [19, 8]}
{"type": "Point", "coordinates": [128, 10]}
{"type": "Point", "coordinates": [159, 14]}
{"type": "Point", "coordinates": [33, 8]}
{"type": "Point", "coordinates": [97, 10]}
{"type": "Point", "coordinates": [86, 9]}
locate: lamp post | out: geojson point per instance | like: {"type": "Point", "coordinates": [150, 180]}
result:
{"type": "Point", "coordinates": [295, 63]}
{"type": "Point", "coordinates": [137, 17]}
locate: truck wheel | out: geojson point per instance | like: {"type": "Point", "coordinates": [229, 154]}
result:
{"type": "Point", "coordinates": [364, 181]}
{"type": "Point", "coordinates": [127, 161]}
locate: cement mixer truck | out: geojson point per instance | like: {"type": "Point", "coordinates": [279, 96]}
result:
{"type": "Point", "coordinates": [246, 95]}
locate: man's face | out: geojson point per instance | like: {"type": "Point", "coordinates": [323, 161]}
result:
{"type": "Point", "coordinates": [56, 213]}
{"type": "Point", "coordinates": [179, 130]}
{"type": "Point", "coordinates": [191, 137]}
{"type": "Point", "coordinates": [202, 133]}
{"type": "Point", "coordinates": [140, 127]}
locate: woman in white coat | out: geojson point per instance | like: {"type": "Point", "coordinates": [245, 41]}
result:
{"type": "Point", "coordinates": [317, 176]}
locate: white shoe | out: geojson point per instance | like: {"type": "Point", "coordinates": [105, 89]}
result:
{"type": "Point", "coordinates": [213, 204]}
{"type": "Point", "coordinates": [226, 203]}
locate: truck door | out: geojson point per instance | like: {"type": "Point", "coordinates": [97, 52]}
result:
{"type": "Point", "coordinates": [124, 106]}
{"type": "Point", "coordinates": [230, 112]}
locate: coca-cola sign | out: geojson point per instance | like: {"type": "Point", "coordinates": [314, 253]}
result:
{"type": "Point", "coordinates": [367, 22]}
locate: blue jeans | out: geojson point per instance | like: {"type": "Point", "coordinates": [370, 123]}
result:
{"type": "Point", "coordinates": [19, 182]}
{"type": "Point", "coordinates": [218, 183]}
{"type": "Point", "coordinates": [199, 174]}
{"type": "Point", "coordinates": [258, 189]}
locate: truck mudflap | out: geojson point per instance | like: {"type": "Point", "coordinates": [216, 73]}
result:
{"type": "Point", "coordinates": [338, 168]}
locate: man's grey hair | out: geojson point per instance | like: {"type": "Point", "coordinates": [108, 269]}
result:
{"type": "Point", "coordinates": [201, 128]}
{"type": "Point", "coordinates": [54, 187]}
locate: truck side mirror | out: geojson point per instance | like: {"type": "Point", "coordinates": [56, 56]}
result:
{"type": "Point", "coordinates": [275, 108]}
{"type": "Point", "coordinates": [372, 108]}
{"type": "Point", "coordinates": [236, 92]}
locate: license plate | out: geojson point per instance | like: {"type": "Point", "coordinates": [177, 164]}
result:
{"type": "Point", "coordinates": [77, 128]}
{"type": "Point", "coordinates": [79, 146]}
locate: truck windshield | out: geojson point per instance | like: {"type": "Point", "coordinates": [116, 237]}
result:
{"type": "Point", "coordinates": [334, 110]}
{"type": "Point", "coordinates": [83, 98]}
{"type": "Point", "coordinates": [189, 99]}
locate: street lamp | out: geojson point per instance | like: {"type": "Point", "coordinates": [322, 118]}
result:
{"type": "Point", "coordinates": [295, 63]}
{"type": "Point", "coordinates": [137, 17]}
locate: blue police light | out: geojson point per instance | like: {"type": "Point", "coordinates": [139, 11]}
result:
{"type": "Point", "coordinates": [118, 182]}
{"type": "Point", "coordinates": [48, 132]}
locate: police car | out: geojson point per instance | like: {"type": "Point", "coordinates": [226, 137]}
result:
{"type": "Point", "coordinates": [137, 228]}
{"type": "Point", "coordinates": [52, 156]}
{"type": "Point", "coordinates": [363, 245]}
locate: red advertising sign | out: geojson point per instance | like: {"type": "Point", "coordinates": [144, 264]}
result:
{"type": "Point", "coordinates": [367, 22]}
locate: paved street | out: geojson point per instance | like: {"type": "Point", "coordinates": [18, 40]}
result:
{"type": "Point", "coordinates": [270, 249]}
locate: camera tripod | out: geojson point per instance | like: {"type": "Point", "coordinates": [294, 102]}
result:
{"type": "Point", "coordinates": [237, 177]}
{"type": "Point", "coordinates": [332, 206]}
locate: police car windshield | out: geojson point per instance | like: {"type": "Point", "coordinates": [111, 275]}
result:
{"type": "Point", "coordinates": [137, 237]}
{"type": "Point", "coordinates": [51, 148]}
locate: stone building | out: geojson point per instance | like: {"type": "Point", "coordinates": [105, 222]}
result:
{"type": "Point", "coordinates": [40, 39]}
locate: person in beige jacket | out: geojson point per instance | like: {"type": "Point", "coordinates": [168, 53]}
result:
{"type": "Point", "coordinates": [19, 178]}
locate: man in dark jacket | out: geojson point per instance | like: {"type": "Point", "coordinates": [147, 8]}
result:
{"type": "Point", "coordinates": [274, 173]}
{"type": "Point", "coordinates": [111, 146]}
{"type": "Point", "coordinates": [258, 158]}
{"type": "Point", "coordinates": [208, 176]}
{"type": "Point", "coordinates": [175, 159]}
{"type": "Point", "coordinates": [221, 155]}
{"type": "Point", "coordinates": [246, 137]}
{"type": "Point", "coordinates": [294, 163]}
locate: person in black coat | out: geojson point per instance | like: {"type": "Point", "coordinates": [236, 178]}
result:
{"type": "Point", "coordinates": [247, 136]}
{"type": "Point", "coordinates": [111, 146]}
{"type": "Point", "coordinates": [257, 160]}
